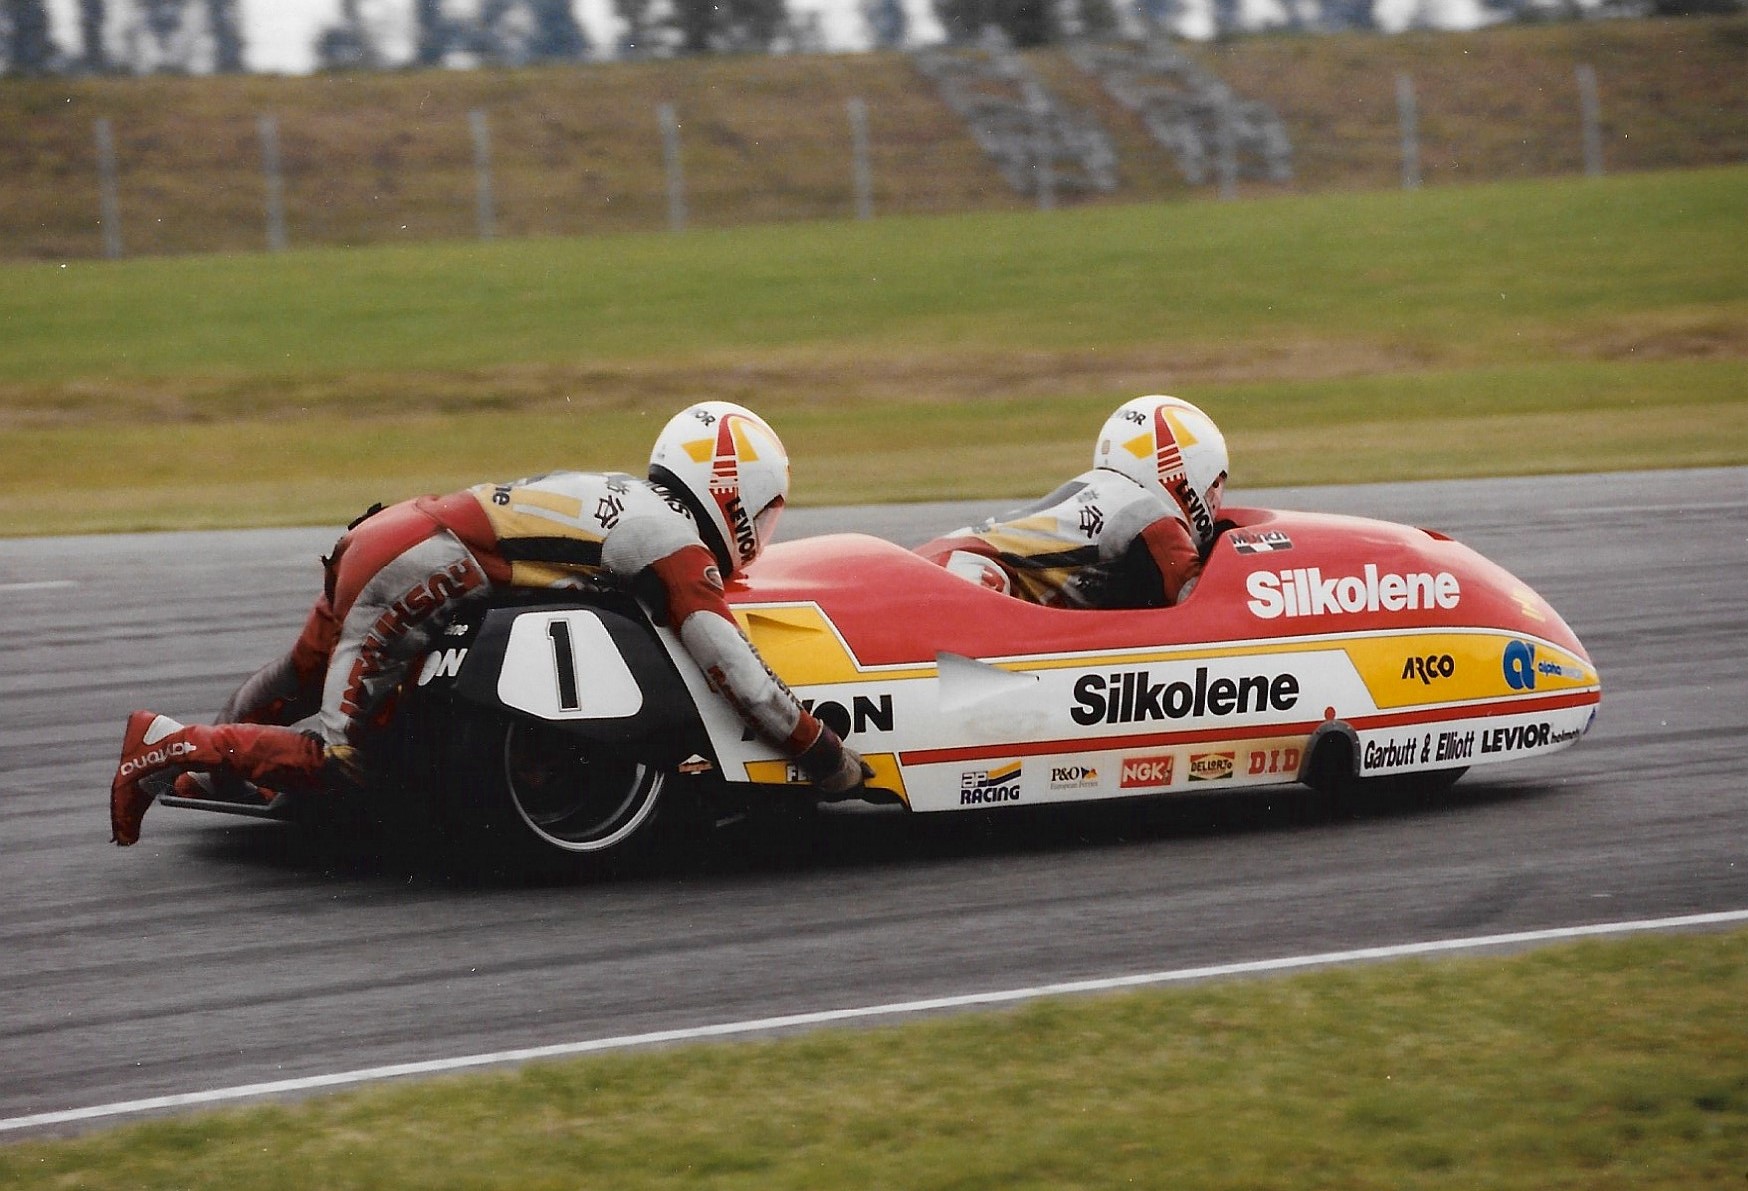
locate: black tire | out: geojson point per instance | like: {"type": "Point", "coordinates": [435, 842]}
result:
{"type": "Point", "coordinates": [524, 796]}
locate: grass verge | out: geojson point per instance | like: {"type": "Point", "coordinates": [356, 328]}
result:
{"type": "Point", "coordinates": [1531, 327]}
{"type": "Point", "coordinates": [1599, 1065]}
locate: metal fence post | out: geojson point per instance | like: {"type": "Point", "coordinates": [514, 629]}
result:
{"type": "Point", "coordinates": [1591, 110]}
{"type": "Point", "coordinates": [1043, 154]}
{"type": "Point", "coordinates": [482, 168]}
{"type": "Point", "coordinates": [109, 206]}
{"type": "Point", "coordinates": [859, 169]}
{"type": "Point", "coordinates": [1408, 116]}
{"type": "Point", "coordinates": [1228, 161]}
{"type": "Point", "coordinates": [268, 128]}
{"type": "Point", "coordinates": [671, 160]}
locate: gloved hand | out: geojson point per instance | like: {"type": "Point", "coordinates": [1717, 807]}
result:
{"type": "Point", "coordinates": [850, 773]}
{"type": "Point", "coordinates": [834, 766]}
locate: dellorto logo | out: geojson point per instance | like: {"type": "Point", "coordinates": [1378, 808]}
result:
{"type": "Point", "coordinates": [1304, 591]}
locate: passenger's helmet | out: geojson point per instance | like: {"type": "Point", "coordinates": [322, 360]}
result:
{"type": "Point", "coordinates": [1168, 446]}
{"type": "Point", "coordinates": [730, 469]}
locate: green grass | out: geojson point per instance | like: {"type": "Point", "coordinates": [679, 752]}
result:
{"type": "Point", "coordinates": [1527, 327]}
{"type": "Point", "coordinates": [1595, 1066]}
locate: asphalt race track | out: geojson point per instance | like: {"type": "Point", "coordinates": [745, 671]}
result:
{"type": "Point", "coordinates": [223, 952]}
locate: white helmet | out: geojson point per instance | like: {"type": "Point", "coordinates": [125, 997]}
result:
{"type": "Point", "coordinates": [1168, 446]}
{"type": "Point", "coordinates": [731, 470]}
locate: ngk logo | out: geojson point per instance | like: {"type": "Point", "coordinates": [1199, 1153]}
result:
{"type": "Point", "coordinates": [1142, 773]}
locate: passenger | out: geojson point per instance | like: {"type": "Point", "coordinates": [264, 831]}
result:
{"type": "Point", "coordinates": [718, 477]}
{"type": "Point", "coordinates": [1129, 533]}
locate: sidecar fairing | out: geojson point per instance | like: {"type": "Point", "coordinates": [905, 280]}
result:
{"type": "Point", "coordinates": [1314, 647]}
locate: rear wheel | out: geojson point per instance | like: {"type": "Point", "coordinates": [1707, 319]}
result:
{"type": "Point", "coordinates": [573, 797]}
{"type": "Point", "coordinates": [525, 797]}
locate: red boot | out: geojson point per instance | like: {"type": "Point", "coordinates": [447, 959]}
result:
{"type": "Point", "coordinates": [155, 743]}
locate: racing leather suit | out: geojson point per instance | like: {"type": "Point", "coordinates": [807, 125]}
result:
{"type": "Point", "coordinates": [1099, 541]}
{"type": "Point", "coordinates": [397, 579]}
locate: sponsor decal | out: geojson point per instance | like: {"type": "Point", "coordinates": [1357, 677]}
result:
{"type": "Point", "coordinates": [1146, 773]}
{"type": "Point", "coordinates": [1073, 777]}
{"type": "Point", "coordinates": [1305, 591]}
{"type": "Point", "coordinates": [403, 615]}
{"type": "Point", "coordinates": [698, 764]}
{"type": "Point", "coordinates": [1092, 522]}
{"type": "Point", "coordinates": [1397, 752]}
{"type": "Point", "coordinates": [1263, 761]}
{"type": "Point", "coordinates": [1191, 502]}
{"type": "Point", "coordinates": [1522, 667]}
{"type": "Point", "coordinates": [1524, 737]}
{"type": "Point", "coordinates": [607, 511]}
{"type": "Point", "coordinates": [865, 713]}
{"type": "Point", "coordinates": [1455, 746]}
{"type": "Point", "coordinates": [1429, 668]}
{"type": "Point", "coordinates": [1266, 542]}
{"type": "Point", "coordinates": [1132, 696]}
{"type": "Point", "coordinates": [156, 757]}
{"type": "Point", "coordinates": [442, 663]}
{"type": "Point", "coordinates": [1211, 767]}
{"type": "Point", "coordinates": [979, 787]}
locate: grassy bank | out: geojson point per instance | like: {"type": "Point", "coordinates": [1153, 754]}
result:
{"type": "Point", "coordinates": [1527, 327]}
{"type": "Point", "coordinates": [1599, 1066]}
{"type": "Point", "coordinates": [386, 157]}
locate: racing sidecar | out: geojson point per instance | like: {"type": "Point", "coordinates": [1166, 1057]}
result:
{"type": "Point", "coordinates": [1316, 649]}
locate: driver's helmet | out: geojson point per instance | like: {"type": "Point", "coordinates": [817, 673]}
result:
{"type": "Point", "coordinates": [730, 469]}
{"type": "Point", "coordinates": [1168, 446]}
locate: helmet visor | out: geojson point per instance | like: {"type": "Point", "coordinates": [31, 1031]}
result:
{"type": "Point", "coordinates": [765, 522]}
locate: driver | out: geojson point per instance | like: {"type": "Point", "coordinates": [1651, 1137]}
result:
{"type": "Point", "coordinates": [718, 477]}
{"type": "Point", "coordinates": [1130, 533]}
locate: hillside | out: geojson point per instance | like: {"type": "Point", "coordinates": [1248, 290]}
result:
{"type": "Point", "coordinates": [375, 158]}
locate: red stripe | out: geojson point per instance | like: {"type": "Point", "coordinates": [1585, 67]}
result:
{"type": "Point", "coordinates": [1256, 732]}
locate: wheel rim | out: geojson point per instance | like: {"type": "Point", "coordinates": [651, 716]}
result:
{"type": "Point", "coordinates": [574, 797]}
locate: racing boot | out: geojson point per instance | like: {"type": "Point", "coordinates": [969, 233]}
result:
{"type": "Point", "coordinates": [154, 744]}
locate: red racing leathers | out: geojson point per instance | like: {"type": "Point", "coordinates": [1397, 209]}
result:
{"type": "Point", "coordinates": [1099, 541]}
{"type": "Point", "coordinates": [397, 579]}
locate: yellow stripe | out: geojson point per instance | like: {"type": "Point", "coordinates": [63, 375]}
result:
{"type": "Point", "coordinates": [888, 774]}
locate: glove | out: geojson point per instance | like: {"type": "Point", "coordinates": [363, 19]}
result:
{"type": "Point", "coordinates": [850, 773]}
{"type": "Point", "coordinates": [834, 766]}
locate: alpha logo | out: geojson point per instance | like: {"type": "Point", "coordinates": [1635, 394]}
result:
{"type": "Point", "coordinates": [1261, 761]}
{"type": "Point", "coordinates": [1132, 696]}
{"type": "Point", "coordinates": [1146, 773]}
{"type": "Point", "coordinates": [156, 757]}
{"type": "Point", "coordinates": [1211, 767]}
{"type": "Point", "coordinates": [1073, 777]}
{"type": "Point", "coordinates": [1433, 665]}
{"type": "Point", "coordinates": [1303, 591]}
{"type": "Point", "coordinates": [1522, 667]}
{"type": "Point", "coordinates": [1525, 736]}
{"type": "Point", "coordinates": [982, 786]}
{"type": "Point", "coordinates": [1266, 542]}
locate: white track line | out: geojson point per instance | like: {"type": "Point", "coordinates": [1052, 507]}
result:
{"type": "Point", "coordinates": [829, 1016]}
{"type": "Point", "coordinates": [38, 585]}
